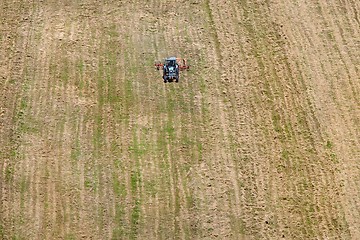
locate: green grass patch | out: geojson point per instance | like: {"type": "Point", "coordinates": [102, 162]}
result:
{"type": "Point", "coordinates": [333, 157]}
{"type": "Point", "coordinates": [329, 144]}
{"type": "Point", "coordinates": [75, 151]}
{"type": "Point", "coordinates": [2, 232]}
{"type": "Point", "coordinates": [113, 32]}
{"type": "Point", "coordinates": [151, 188]}
{"type": "Point", "coordinates": [276, 119]}
{"type": "Point", "coordinates": [118, 187]}
{"type": "Point", "coordinates": [91, 184]}
{"type": "Point", "coordinates": [135, 179]}
{"type": "Point", "coordinates": [170, 130]}
{"type": "Point", "coordinates": [117, 163]}
{"type": "Point", "coordinates": [135, 219]}
{"type": "Point", "coordinates": [70, 236]}
{"type": "Point", "coordinates": [138, 149]}
{"type": "Point", "coordinates": [237, 225]}
{"type": "Point", "coordinates": [28, 126]}
{"type": "Point", "coordinates": [199, 146]}
{"type": "Point", "coordinates": [285, 154]}
{"type": "Point", "coordinates": [288, 130]}
{"type": "Point", "coordinates": [100, 84]}
{"type": "Point", "coordinates": [17, 237]}
{"type": "Point", "coordinates": [80, 67]}
{"type": "Point", "coordinates": [301, 116]}
{"type": "Point", "coordinates": [65, 72]}
{"type": "Point", "coordinates": [331, 154]}
{"type": "Point", "coordinates": [24, 186]}
{"type": "Point", "coordinates": [119, 230]}
{"type": "Point", "coordinates": [98, 136]}
{"type": "Point", "coordinates": [9, 173]}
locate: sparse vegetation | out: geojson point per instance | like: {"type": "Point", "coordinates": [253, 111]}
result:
{"type": "Point", "coordinates": [259, 140]}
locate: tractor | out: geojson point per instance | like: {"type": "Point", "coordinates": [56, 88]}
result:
{"type": "Point", "coordinates": [171, 68]}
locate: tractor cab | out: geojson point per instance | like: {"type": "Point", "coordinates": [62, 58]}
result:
{"type": "Point", "coordinates": [170, 62]}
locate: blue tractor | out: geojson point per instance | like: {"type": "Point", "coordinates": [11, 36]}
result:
{"type": "Point", "coordinates": [171, 68]}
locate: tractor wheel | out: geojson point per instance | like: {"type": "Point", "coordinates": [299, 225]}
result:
{"type": "Point", "coordinates": [177, 79]}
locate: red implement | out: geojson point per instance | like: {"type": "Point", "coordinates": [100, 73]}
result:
{"type": "Point", "coordinates": [180, 61]}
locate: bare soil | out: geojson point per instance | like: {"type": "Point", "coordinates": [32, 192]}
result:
{"type": "Point", "coordinates": [259, 140]}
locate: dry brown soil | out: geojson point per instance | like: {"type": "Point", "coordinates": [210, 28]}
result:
{"type": "Point", "coordinates": [260, 140]}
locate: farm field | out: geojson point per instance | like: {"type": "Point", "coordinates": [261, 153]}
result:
{"type": "Point", "coordinates": [259, 140]}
